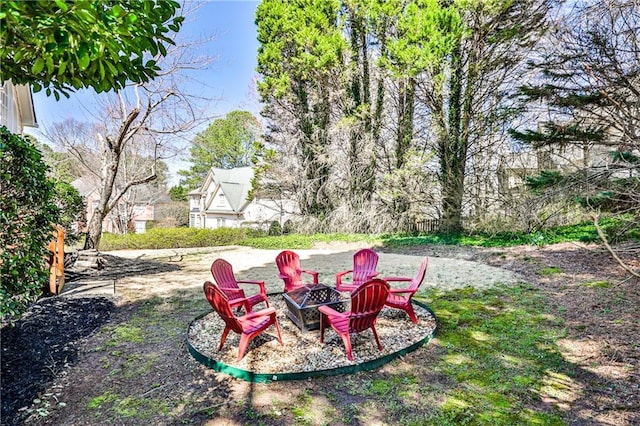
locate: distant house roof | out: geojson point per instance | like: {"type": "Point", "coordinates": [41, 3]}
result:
{"type": "Point", "coordinates": [235, 184]}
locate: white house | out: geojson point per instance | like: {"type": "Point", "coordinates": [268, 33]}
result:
{"type": "Point", "coordinates": [222, 201]}
{"type": "Point", "coordinates": [16, 107]}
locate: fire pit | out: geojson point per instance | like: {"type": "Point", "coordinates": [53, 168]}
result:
{"type": "Point", "coordinates": [302, 304]}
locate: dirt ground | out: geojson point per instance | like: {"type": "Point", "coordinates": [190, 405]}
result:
{"type": "Point", "coordinates": [58, 359]}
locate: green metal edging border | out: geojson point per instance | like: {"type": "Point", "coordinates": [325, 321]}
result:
{"type": "Point", "coordinates": [250, 376]}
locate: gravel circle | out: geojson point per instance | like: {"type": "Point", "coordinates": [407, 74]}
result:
{"type": "Point", "coordinates": [302, 351]}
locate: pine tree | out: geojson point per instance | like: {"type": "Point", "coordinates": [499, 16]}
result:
{"type": "Point", "coordinates": [590, 87]}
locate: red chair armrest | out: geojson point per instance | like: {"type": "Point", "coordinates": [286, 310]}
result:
{"type": "Point", "coordinates": [328, 310]}
{"type": "Point", "coordinates": [260, 283]}
{"type": "Point", "coordinates": [401, 290]}
{"type": "Point", "coordinates": [261, 313]}
{"type": "Point", "coordinates": [244, 301]}
{"type": "Point", "coordinates": [339, 275]}
{"type": "Point", "coordinates": [314, 274]}
{"type": "Point", "coordinates": [373, 274]}
{"type": "Point", "coordinates": [397, 279]}
{"type": "Point", "coordinates": [251, 282]}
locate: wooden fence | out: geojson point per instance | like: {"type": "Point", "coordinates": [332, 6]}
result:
{"type": "Point", "coordinates": [426, 226]}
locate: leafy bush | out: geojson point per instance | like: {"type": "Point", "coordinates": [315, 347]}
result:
{"type": "Point", "coordinates": [72, 210]}
{"type": "Point", "coordinates": [287, 228]}
{"type": "Point", "coordinates": [275, 228]}
{"type": "Point", "coordinates": [158, 238]}
{"type": "Point", "coordinates": [27, 215]}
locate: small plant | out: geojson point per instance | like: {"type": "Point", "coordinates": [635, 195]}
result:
{"type": "Point", "coordinates": [99, 400]}
{"type": "Point", "coordinates": [550, 270]}
{"type": "Point", "coordinates": [597, 284]}
{"type": "Point", "coordinates": [126, 333]}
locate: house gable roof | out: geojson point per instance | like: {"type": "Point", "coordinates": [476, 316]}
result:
{"type": "Point", "coordinates": [234, 183]}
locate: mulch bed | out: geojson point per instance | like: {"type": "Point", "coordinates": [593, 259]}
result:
{"type": "Point", "coordinates": [42, 343]}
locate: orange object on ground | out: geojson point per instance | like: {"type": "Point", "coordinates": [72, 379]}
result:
{"type": "Point", "coordinates": [56, 261]}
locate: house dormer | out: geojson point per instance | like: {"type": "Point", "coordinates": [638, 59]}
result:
{"type": "Point", "coordinates": [223, 201]}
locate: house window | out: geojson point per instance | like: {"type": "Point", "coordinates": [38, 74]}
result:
{"type": "Point", "coordinates": [221, 222]}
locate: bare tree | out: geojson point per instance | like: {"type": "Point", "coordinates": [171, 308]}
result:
{"type": "Point", "coordinates": [144, 118]}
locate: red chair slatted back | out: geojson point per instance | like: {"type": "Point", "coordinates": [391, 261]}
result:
{"type": "Point", "coordinates": [417, 280]}
{"type": "Point", "coordinates": [366, 302]}
{"type": "Point", "coordinates": [220, 303]}
{"type": "Point", "coordinates": [222, 272]}
{"type": "Point", "coordinates": [365, 262]}
{"type": "Point", "coordinates": [289, 264]}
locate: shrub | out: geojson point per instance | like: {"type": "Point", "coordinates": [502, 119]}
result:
{"type": "Point", "coordinates": [27, 215]}
{"type": "Point", "coordinates": [288, 227]}
{"type": "Point", "coordinates": [275, 228]}
{"type": "Point", "coordinates": [72, 210]}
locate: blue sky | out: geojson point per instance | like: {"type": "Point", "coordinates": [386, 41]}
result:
{"type": "Point", "coordinates": [229, 79]}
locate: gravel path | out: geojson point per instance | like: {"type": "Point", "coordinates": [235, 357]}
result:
{"type": "Point", "coordinates": [192, 269]}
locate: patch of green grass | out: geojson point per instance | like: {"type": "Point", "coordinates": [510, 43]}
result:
{"type": "Point", "coordinates": [597, 284]}
{"type": "Point", "coordinates": [100, 400]}
{"type": "Point", "coordinates": [380, 387]}
{"type": "Point", "coordinates": [550, 270]}
{"type": "Point", "coordinates": [301, 411]}
{"type": "Point", "coordinates": [137, 365]}
{"type": "Point", "coordinates": [585, 232]}
{"type": "Point", "coordinates": [500, 354]}
{"type": "Point", "coordinates": [130, 406]}
{"type": "Point", "coordinates": [299, 241]}
{"type": "Point", "coordinates": [125, 333]}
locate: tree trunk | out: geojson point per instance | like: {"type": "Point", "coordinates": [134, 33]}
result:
{"type": "Point", "coordinates": [108, 177]}
{"type": "Point", "coordinates": [453, 152]}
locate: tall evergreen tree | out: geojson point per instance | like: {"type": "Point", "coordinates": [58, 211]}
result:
{"type": "Point", "coordinates": [299, 56]}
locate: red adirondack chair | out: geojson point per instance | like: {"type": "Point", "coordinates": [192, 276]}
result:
{"type": "Point", "coordinates": [366, 303]}
{"type": "Point", "coordinates": [248, 326]}
{"type": "Point", "coordinates": [290, 271]}
{"type": "Point", "coordinates": [222, 272]}
{"type": "Point", "coordinates": [400, 298]}
{"type": "Point", "coordinates": [364, 268]}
